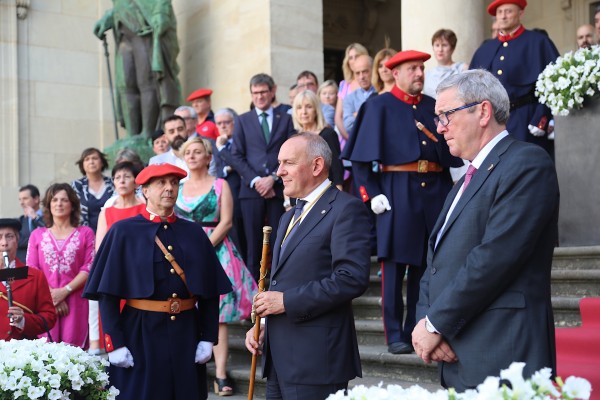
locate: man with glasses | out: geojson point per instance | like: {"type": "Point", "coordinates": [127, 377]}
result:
{"type": "Point", "coordinates": [32, 311]}
{"type": "Point", "coordinates": [257, 138]}
{"type": "Point", "coordinates": [307, 80]}
{"type": "Point", "coordinates": [407, 191]}
{"type": "Point", "coordinates": [485, 296]}
{"type": "Point", "coordinates": [516, 57]}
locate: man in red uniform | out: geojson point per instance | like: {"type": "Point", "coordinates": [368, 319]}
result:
{"type": "Point", "coordinates": [32, 312]}
{"type": "Point", "coordinates": [200, 101]}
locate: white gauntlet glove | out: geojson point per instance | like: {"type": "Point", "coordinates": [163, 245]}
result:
{"type": "Point", "coordinates": [380, 204]}
{"type": "Point", "coordinates": [535, 131]}
{"type": "Point", "coordinates": [121, 357]}
{"type": "Point", "coordinates": [203, 352]}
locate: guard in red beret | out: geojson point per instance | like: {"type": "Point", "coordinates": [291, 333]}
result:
{"type": "Point", "coordinates": [200, 101]}
{"type": "Point", "coordinates": [396, 131]}
{"type": "Point", "coordinates": [516, 57]}
{"type": "Point", "coordinates": [168, 272]}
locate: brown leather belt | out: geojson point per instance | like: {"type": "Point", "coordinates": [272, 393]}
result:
{"type": "Point", "coordinates": [172, 306]}
{"type": "Point", "coordinates": [421, 166]}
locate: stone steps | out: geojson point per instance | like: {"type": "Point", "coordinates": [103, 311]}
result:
{"type": "Point", "coordinates": [575, 274]}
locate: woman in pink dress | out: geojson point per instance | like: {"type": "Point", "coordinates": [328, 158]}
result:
{"type": "Point", "coordinates": [126, 204]}
{"type": "Point", "coordinates": [64, 252]}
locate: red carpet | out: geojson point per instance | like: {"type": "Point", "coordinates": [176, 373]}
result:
{"type": "Point", "coordinates": [578, 349]}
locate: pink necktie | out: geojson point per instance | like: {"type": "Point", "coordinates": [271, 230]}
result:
{"type": "Point", "coordinates": [470, 171]}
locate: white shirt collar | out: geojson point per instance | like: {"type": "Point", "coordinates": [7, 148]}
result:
{"type": "Point", "coordinates": [478, 160]}
{"type": "Point", "coordinates": [312, 196]}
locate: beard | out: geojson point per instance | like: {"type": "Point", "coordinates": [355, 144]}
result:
{"type": "Point", "coordinates": [177, 143]}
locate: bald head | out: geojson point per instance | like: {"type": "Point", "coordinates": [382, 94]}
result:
{"type": "Point", "coordinates": [585, 36]}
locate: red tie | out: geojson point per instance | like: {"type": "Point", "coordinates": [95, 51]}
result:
{"type": "Point", "coordinates": [470, 171]}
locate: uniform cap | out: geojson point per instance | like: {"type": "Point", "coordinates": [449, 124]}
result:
{"type": "Point", "coordinates": [198, 94]}
{"type": "Point", "coordinates": [10, 223]}
{"type": "Point", "coordinates": [495, 4]}
{"type": "Point", "coordinates": [404, 56]}
{"type": "Point", "coordinates": [156, 170]}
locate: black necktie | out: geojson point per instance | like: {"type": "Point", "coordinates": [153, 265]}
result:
{"type": "Point", "coordinates": [297, 213]}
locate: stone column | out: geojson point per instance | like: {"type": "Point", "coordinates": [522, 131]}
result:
{"type": "Point", "coordinates": [9, 117]}
{"type": "Point", "coordinates": [467, 18]}
{"type": "Point", "coordinates": [224, 43]}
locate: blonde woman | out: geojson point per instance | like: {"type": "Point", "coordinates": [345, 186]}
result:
{"type": "Point", "coordinates": [307, 117]}
{"type": "Point", "coordinates": [327, 93]}
{"type": "Point", "coordinates": [348, 85]}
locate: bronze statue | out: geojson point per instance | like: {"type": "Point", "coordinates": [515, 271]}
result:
{"type": "Point", "coordinates": [146, 67]}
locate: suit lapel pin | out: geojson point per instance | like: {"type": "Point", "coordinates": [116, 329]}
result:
{"type": "Point", "coordinates": [323, 211]}
{"type": "Point", "coordinates": [490, 167]}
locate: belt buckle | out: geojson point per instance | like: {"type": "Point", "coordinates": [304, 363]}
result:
{"type": "Point", "coordinates": [422, 166]}
{"type": "Point", "coordinates": [174, 306]}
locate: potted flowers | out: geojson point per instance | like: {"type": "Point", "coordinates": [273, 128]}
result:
{"type": "Point", "coordinates": [539, 387]}
{"type": "Point", "coordinates": [36, 369]}
{"type": "Point", "coordinates": [568, 82]}
{"type": "Point", "coordinates": [571, 88]}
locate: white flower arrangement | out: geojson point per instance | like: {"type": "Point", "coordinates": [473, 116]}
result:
{"type": "Point", "coordinates": [564, 84]}
{"type": "Point", "coordinates": [36, 369]}
{"type": "Point", "coordinates": [539, 387]}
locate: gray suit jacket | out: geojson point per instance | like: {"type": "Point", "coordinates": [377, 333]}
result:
{"type": "Point", "coordinates": [487, 284]}
{"type": "Point", "coordinates": [323, 267]}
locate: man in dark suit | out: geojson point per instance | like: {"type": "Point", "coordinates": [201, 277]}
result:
{"type": "Point", "coordinates": [485, 296]}
{"type": "Point", "coordinates": [29, 199]}
{"type": "Point", "coordinates": [320, 263]}
{"type": "Point", "coordinates": [257, 137]}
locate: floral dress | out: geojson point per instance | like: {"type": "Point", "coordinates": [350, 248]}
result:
{"type": "Point", "coordinates": [205, 209]}
{"type": "Point", "coordinates": [61, 261]}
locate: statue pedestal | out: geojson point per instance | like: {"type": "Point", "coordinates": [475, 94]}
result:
{"type": "Point", "coordinates": [577, 151]}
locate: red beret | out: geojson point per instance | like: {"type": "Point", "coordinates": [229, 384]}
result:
{"type": "Point", "coordinates": [495, 4]}
{"type": "Point", "coordinates": [198, 94]}
{"type": "Point", "coordinates": [408, 55]}
{"type": "Point", "coordinates": [156, 170]}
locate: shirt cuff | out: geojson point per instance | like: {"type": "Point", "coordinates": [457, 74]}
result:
{"type": "Point", "coordinates": [430, 324]}
{"type": "Point", "coordinates": [253, 181]}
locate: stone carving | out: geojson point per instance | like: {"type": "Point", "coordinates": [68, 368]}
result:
{"type": "Point", "coordinates": [146, 70]}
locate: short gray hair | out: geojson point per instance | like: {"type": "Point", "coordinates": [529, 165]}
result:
{"type": "Point", "coordinates": [227, 111]}
{"type": "Point", "coordinates": [476, 86]}
{"type": "Point", "coordinates": [193, 113]}
{"type": "Point", "coordinates": [316, 146]}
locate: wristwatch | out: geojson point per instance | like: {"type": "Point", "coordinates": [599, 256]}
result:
{"type": "Point", "coordinates": [275, 177]}
{"type": "Point", "coordinates": [430, 327]}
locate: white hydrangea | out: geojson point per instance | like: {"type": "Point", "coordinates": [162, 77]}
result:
{"type": "Point", "coordinates": [565, 84]}
{"type": "Point", "coordinates": [35, 369]}
{"type": "Point", "coordinates": [538, 387]}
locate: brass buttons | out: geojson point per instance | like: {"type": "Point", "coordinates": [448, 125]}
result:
{"type": "Point", "coordinates": [173, 318]}
{"type": "Point", "coordinates": [174, 295]}
{"type": "Point", "coordinates": [170, 247]}
{"type": "Point", "coordinates": [414, 107]}
{"type": "Point", "coordinates": [172, 271]}
{"type": "Point", "coordinates": [423, 184]}
{"type": "Point", "coordinates": [165, 227]}
{"type": "Point", "coordinates": [505, 44]}
{"type": "Point", "coordinates": [424, 143]}
{"type": "Point", "coordinates": [501, 58]}
{"type": "Point", "coordinates": [499, 72]}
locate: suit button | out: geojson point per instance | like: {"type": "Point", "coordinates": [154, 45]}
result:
{"type": "Point", "coordinates": [499, 72]}
{"type": "Point", "coordinates": [423, 184]}
{"type": "Point", "coordinates": [165, 226]}
{"type": "Point", "coordinates": [501, 58]}
{"type": "Point", "coordinates": [414, 107]}
{"type": "Point", "coordinates": [424, 143]}
{"type": "Point", "coordinates": [433, 271]}
{"type": "Point", "coordinates": [505, 44]}
{"type": "Point", "coordinates": [273, 282]}
{"type": "Point", "coordinates": [173, 318]}
{"type": "Point", "coordinates": [172, 271]}
{"type": "Point", "coordinates": [174, 295]}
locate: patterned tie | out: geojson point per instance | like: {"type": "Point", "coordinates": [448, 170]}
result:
{"type": "Point", "coordinates": [470, 171]}
{"type": "Point", "coordinates": [297, 212]}
{"type": "Point", "coordinates": [265, 126]}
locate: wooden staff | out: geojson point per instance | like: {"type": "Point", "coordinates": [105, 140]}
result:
{"type": "Point", "coordinates": [261, 288]}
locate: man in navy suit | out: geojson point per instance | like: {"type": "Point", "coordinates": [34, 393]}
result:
{"type": "Point", "coordinates": [320, 263]}
{"type": "Point", "coordinates": [257, 137]}
{"type": "Point", "coordinates": [485, 296]}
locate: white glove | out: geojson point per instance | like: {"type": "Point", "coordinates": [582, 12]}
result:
{"type": "Point", "coordinates": [380, 204]}
{"type": "Point", "coordinates": [551, 130]}
{"type": "Point", "coordinates": [203, 352]}
{"type": "Point", "coordinates": [121, 357]}
{"type": "Point", "coordinates": [535, 131]}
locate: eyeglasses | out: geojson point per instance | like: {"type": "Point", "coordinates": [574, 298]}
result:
{"type": "Point", "coordinates": [442, 118]}
{"type": "Point", "coordinates": [9, 237]}
{"type": "Point", "coordinates": [261, 93]}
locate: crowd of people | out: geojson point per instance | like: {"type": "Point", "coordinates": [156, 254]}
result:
{"type": "Point", "coordinates": [403, 142]}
